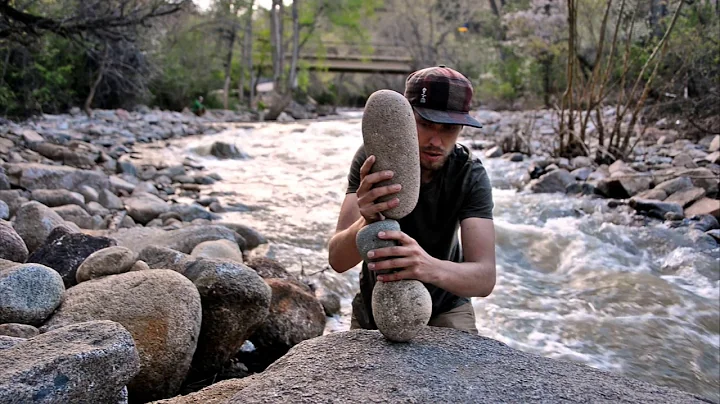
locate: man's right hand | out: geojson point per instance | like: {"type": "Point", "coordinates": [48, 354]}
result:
{"type": "Point", "coordinates": [367, 194]}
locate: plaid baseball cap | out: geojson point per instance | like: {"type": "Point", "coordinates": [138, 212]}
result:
{"type": "Point", "coordinates": [441, 95]}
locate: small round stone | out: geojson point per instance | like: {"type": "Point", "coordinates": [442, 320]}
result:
{"type": "Point", "coordinates": [401, 308]}
{"type": "Point", "coordinates": [367, 238]}
{"type": "Point", "coordinates": [108, 261]}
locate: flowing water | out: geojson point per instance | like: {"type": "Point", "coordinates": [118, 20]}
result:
{"type": "Point", "coordinates": [576, 281]}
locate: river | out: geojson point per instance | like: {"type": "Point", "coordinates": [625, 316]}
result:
{"type": "Point", "coordinates": [576, 281]}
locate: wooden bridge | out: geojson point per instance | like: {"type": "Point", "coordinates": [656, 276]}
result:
{"type": "Point", "coordinates": [343, 58]}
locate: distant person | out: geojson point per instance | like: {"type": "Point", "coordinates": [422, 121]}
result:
{"type": "Point", "coordinates": [455, 193]}
{"type": "Point", "coordinates": [198, 108]}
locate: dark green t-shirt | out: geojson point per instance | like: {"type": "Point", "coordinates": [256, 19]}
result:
{"type": "Point", "coordinates": [460, 190]}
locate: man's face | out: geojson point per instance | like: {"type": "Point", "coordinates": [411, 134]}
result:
{"type": "Point", "coordinates": [436, 141]}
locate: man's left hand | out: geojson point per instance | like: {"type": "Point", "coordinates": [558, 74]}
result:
{"type": "Point", "coordinates": [409, 257]}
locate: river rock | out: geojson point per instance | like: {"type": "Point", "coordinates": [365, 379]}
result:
{"type": "Point", "coordinates": [673, 185]}
{"type": "Point", "coordinates": [122, 184]}
{"type": "Point", "coordinates": [190, 212]}
{"type": "Point", "coordinates": [401, 309]}
{"type": "Point", "coordinates": [75, 214]}
{"type": "Point", "coordinates": [4, 181]}
{"type": "Point", "coordinates": [684, 160]}
{"type": "Point", "coordinates": [235, 300]}
{"type": "Point", "coordinates": [295, 316]}
{"type": "Point", "coordinates": [183, 240]}
{"type": "Point", "coordinates": [715, 233]}
{"type": "Point", "coordinates": [224, 150]}
{"type": "Point", "coordinates": [4, 211]}
{"type": "Point", "coordinates": [160, 308]}
{"type": "Point", "coordinates": [89, 193]}
{"type": "Point", "coordinates": [34, 222]}
{"type": "Point", "coordinates": [14, 199]}
{"type": "Point", "coordinates": [704, 178]}
{"type": "Point", "coordinates": [13, 246]}
{"type": "Point", "coordinates": [86, 362]}
{"type": "Point", "coordinates": [29, 293]}
{"type": "Point", "coordinates": [270, 268]}
{"type": "Point", "coordinates": [111, 201]}
{"type": "Point", "coordinates": [108, 261]}
{"type": "Point", "coordinates": [464, 368]}
{"type": "Point", "coordinates": [145, 207]}
{"type": "Point", "coordinates": [165, 258]}
{"type": "Point", "coordinates": [686, 197]}
{"type": "Point", "coordinates": [40, 176]}
{"type": "Point", "coordinates": [64, 252]}
{"type": "Point", "coordinates": [367, 238]}
{"type": "Point", "coordinates": [390, 134]}
{"type": "Point", "coordinates": [705, 223]}
{"type": "Point", "coordinates": [57, 197]}
{"type": "Point", "coordinates": [146, 187]}
{"type": "Point", "coordinates": [18, 330]}
{"type": "Point", "coordinates": [494, 152]}
{"type": "Point", "coordinates": [221, 249]}
{"type": "Point", "coordinates": [94, 208]}
{"type": "Point", "coordinates": [553, 181]}
{"type": "Point", "coordinates": [704, 206]}
{"type": "Point", "coordinates": [655, 193]}
{"type": "Point", "coordinates": [218, 393]}
{"type": "Point", "coordinates": [655, 208]}
{"type": "Point", "coordinates": [714, 144]}
{"type": "Point", "coordinates": [252, 237]}
{"type": "Point", "coordinates": [329, 300]}
{"type": "Point", "coordinates": [582, 174]}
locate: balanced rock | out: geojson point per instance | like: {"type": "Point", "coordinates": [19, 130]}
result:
{"type": "Point", "coordinates": [390, 134]}
{"type": "Point", "coordinates": [221, 249]}
{"type": "Point", "coordinates": [367, 238]}
{"type": "Point", "coordinates": [160, 308]}
{"type": "Point", "coordinates": [12, 246]}
{"type": "Point", "coordinates": [64, 252]}
{"type": "Point", "coordinates": [34, 222]}
{"type": "Point", "coordinates": [89, 362]}
{"type": "Point", "coordinates": [295, 315]}
{"type": "Point", "coordinates": [401, 309]}
{"type": "Point", "coordinates": [29, 293]}
{"type": "Point", "coordinates": [18, 330]}
{"type": "Point", "coordinates": [108, 261]}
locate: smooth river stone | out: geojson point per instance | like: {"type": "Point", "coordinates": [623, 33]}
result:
{"type": "Point", "coordinates": [401, 308]}
{"type": "Point", "coordinates": [367, 238]}
{"type": "Point", "coordinates": [390, 134]}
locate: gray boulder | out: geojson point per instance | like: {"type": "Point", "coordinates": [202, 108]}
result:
{"type": "Point", "coordinates": [704, 206]}
{"type": "Point", "coordinates": [34, 222]}
{"type": "Point", "coordinates": [90, 194]}
{"type": "Point", "coordinates": [57, 197]}
{"type": "Point", "coordinates": [184, 239]}
{"type": "Point", "coordinates": [270, 268]}
{"type": "Point", "coordinates": [554, 181]}
{"type": "Point", "coordinates": [89, 362]}
{"type": "Point", "coordinates": [14, 199]}
{"type": "Point", "coordinates": [18, 330]}
{"type": "Point", "coordinates": [94, 208]}
{"type": "Point", "coordinates": [220, 249]}
{"type": "Point", "coordinates": [9, 342]}
{"type": "Point", "coordinates": [160, 308]}
{"type": "Point", "coordinates": [686, 197]}
{"type": "Point", "coordinates": [108, 261]}
{"type": "Point", "coordinates": [64, 252]}
{"type": "Point", "coordinates": [218, 393]}
{"type": "Point", "coordinates": [193, 211]}
{"type": "Point", "coordinates": [165, 258]}
{"type": "Point", "coordinates": [673, 185]}
{"type": "Point", "coordinates": [654, 208]}
{"type": "Point", "coordinates": [40, 176]}
{"type": "Point", "coordinates": [622, 186]}
{"type": "Point", "coordinates": [252, 237]}
{"type": "Point", "coordinates": [390, 134]}
{"type": "Point", "coordinates": [463, 368]}
{"type": "Point", "coordinates": [29, 293]}
{"type": "Point", "coordinates": [4, 211]}
{"type": "Point", "coordinates": [494, 152]}
{"type": "Point", "coordinates": [75, 214]}
{"type": "Point", "coordinates": [145, 207]}
{"type": "Point", "coordinates": [12, 245]}
{"type": "Point", "coordinates": [109, 200]}
{"type": "Point", "coordinates": [224, 150]}
{"type": "Point", "coordinates": [4, 181]}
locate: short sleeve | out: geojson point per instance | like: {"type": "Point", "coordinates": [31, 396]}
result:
{"type": "Point", "coordinates": [354, 175]}
{"type": "Point", "coordinates": [478, 201]}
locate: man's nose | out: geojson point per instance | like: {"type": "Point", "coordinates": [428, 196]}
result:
{"type": "Point", "coordinates": [435, 140]}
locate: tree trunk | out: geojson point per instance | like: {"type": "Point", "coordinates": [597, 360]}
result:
{"type": "Point", "coordinates": [96, 82]}
{"type": "Point", "coordinates": [277, 42]}
{"type": "Point", "coordinates": [248, 54]}
{"type": "Point", "coordinates": [228, 63]}
{"type": "Point", "coordinates": [296, 46]}
{"type": "Point", "coordinates": [494, 8]}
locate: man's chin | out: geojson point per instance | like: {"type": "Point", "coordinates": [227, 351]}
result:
{"type": "Point", "coordinates": [432, 166]}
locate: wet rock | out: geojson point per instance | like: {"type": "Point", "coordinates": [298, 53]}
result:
{"type": "Point", "coordinates": [494, 152]}
{"type": "Point", "coordinates": [220, 249]}
{"type": "Point", "coordinates": [34, 222]}
{"type": "Point", "coordinates": [674, 185]}
{"type": "Point", "coordinates": [714, 234]}
{"type": "Point", "coordinates": [224, 150]}
{"type": "Point", "coordinates": [295, 316]}
{"type": "Point", "coordinates": [705, 223]}
{"type": "Point", "coordinates": [580, 189]}
{"type": "Point", "coordinates": [57, 197]}
{"type": "Point", "coordinates": [188, 213]}
{"type": "Point", "coordinates": [686, 197]}
{"type": "Point", "coordinates": [75, 214]}
{"type": "Point", "coordinates": [401, 309]}
{"type": "Point", "coordinates": [207, 200]}
{"type": "Point", "coordinates": [108, 261]}
{"type": "Point", "coordinates": [160, 308]}
{"type": "Point", "coordinates": [553, 181]}
{"type": "Point", "coordinates": [145, 207]}
{"type": "Point", "coordinates": [184, 239]}
{"type": "Point", "coordinates": [66, 252]}
{"type": "Point", "coordinates": [13, 246]}
{"type": "Point", "coordinates": [18, 330]}
{"type": "Point", "coordinates": [621, 187]}
{"type": "Point", "coordinates": [655, 208]}
{"type": "Point", "coordinates": [252, 237]}
{"type": "Point", "coordinates": [390, 134]}
{"type": "Point", "coordinates": [85, 362]}
{"type": "Point", "coordinates": [329, 300]}
{"type": "Point", "coordinates": [270, 268]}
{"type": "Point", "coordinates": [40, 176]}
{"type": "Point", "coordinates": [655, 193]}
{"type": "Point", "coordinates": [4, 211]}
{"type": "Point", "coordinates": [704, 206]}
{"type": "Point", "coordinates": [535, 170]}
{"type": "Point", "coordinates": [235, 300]}
{"type": "Point", "coordinates": [29, 293]}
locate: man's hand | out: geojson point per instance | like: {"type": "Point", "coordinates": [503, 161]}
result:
{"type": "Point", "coordinates": [412, 259]}
{"type": "Point", "coordinates": [367, 195]}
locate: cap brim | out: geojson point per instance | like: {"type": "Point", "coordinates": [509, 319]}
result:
{"type": "Point", "coordinates": [452, 118]}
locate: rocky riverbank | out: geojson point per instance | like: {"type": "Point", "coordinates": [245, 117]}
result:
{"type": "Point", "coordinates": [667, 177]}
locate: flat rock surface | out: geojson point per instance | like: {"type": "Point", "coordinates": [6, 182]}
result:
{"type": "Point", "coordinates": [440, 365]}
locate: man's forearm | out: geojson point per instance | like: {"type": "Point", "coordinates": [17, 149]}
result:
{"type": "Point", "coordinates": [342, 249]}
{"type": "Point", "coordinates": [466, 279]}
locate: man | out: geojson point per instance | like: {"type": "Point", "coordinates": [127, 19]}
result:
{"type": "Point", "coordinates": [455, 193]}
{"type": "Point", "coordinates": [198, 108]}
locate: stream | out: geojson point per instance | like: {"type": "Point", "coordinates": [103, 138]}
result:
{"type": "Point", "coordinates": [577, 281]}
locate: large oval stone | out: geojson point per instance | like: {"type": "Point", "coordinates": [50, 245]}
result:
{"type": "Point", "coordinates": [390, 134]}
{"type": "Point", "coordinates": [401, 308]}
{"type": "Point", "coordinates": [29, 293]}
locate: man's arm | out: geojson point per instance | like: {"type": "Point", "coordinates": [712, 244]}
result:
{"type": "Point", "coordinates": [473, 278]}
{"type": "Point", "coordinates": [342, 250]}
